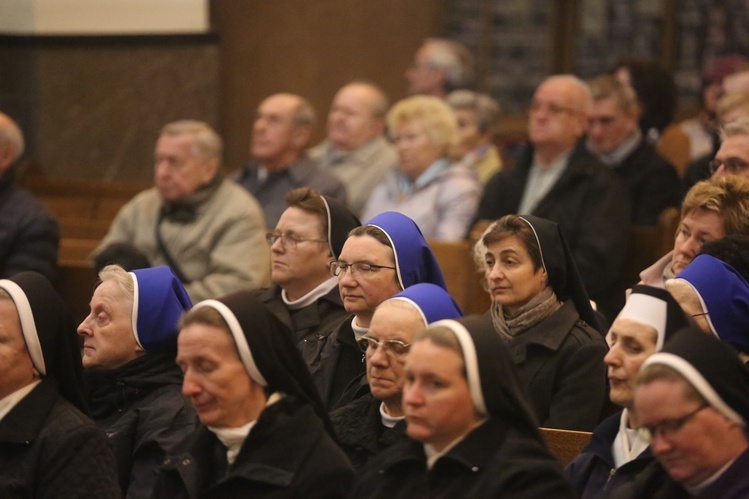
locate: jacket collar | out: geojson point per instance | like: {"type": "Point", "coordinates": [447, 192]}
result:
{"type": "Point", "coordinates": [24, 422]}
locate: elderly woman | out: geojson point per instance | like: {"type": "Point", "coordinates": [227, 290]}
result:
{"type": "Point", "coordinates": [129, 346]}
{"type": "Point", "coordinates": [477, 115]}
{"type": "Point", "coordinates": [48, 447]}
{"type": "Point", "coordinates": [264, 430]}
{"type": "Point", "coordinates": [386, 255]}
{"type": "Point", "coordinates": [375, 421]}
{"type": "Point", "coordinates": [542, 312]}
{"type": "Point", "coordinates": [472, 432]}
{"type": "Point", "coordinates": [440, 197]}
{"type": "Point", "coordinates": [717, 296]}
{"type": "Point", "coordinates": [617, 454]}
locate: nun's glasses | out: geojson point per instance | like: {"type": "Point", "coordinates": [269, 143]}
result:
{"type": "Point", "coordinates": [364, 269]}
{"type": "Point", "coordinates": [369, 344]}
{"type": "Point", "coordinates": [290, 240]}
{"type": "Point", "coordinates": [669, 426]}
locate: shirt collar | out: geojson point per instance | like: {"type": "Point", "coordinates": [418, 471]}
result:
{"type": "Point", "coordinates": [433, 171]}
{"type": "Point", "coordinates": [617, 156]}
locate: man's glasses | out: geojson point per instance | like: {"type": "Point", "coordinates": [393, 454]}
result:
{"type": "Point", "coordinates": [364, 269]}
{"type": "Point", "coordinates": [369, 344]}
{"type": "Point", "coordinates": [733, 166]}
{"type": "Point", "coordinates": [290, 240]}
{"type": "Point", "coordinates": [669, 426]}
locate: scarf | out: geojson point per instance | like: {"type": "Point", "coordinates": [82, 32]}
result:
{"type": "Point", "coordinates": [537, 309]}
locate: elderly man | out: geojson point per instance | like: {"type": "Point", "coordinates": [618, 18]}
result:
{"type": "Point", "coordinates": [561, 181]}
{"type": "Point", "coordinates": [281, 132]}
{"type": "Point", "coordinates": [206, 228]}
{"type": "Point", "coordinates": [129, 346]}
{"type": "Point", "coordinates": [440, 66]}
{"type": "Point", "coordinates": [615, 138]}
{"type": "Point", "coordinates": [733, 156]}
{"type": "Point", "coordinates": [712, 210]}
{"type": "Point", "coordinates": [304, 296]}
{"type": "Point", "coordinates": [48, 447]}
{"type": "Point", "coordinates": [29, 235]}
{"type": "Point", "coordinates": [355, 148]}
{"type": "Point", "coordinates": [692, 404]}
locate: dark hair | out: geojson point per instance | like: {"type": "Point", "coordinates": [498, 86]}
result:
{"type": "Point", "coordinates": [372, 231]}
{"type": "Point", "coordinates": [656, 91]}
{"type": "Point", "coordinates": [733, 250]}
{"type": "Point", "coordinates": [308, 199]}
{"type": "Point", "coordinates": [513, 225]}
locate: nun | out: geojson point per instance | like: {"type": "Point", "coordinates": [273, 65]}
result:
{"type": "Point", "coordinates": [304, 295]}
{"type": "Point", "coordinates": [48, 447]}
{"type": "Point", "coordinates": [379, 259]}
{"type": "Point", "coordinates": [616, 453]}
{"type": "Point", "coordinates": [541, 310]}
{"type": "Point", "coordinates": [692, 402]}
{"type": "Point", "coordinates": [129, 347]}
{"type": "Point", "coordinates": [717, 297]}
{"type": "Point", "coordinates": [472, 432]}
{"type": "Point", "coordinates": [264, 431]}
{"type": "Point", "coordinates": [375, 421]}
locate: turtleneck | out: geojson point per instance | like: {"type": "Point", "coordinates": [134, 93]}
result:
{"type": "Point", "coordinates": [321, 290]}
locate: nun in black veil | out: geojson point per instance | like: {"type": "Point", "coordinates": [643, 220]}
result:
{"type": "Point", "coordinates": [541, 310]}
{"type": "Point", "coordinates": [48, 447]}
{"type": "Point", "coordinates": [472, 432]}
{"type": "Point", "coordinates": [265, 431]}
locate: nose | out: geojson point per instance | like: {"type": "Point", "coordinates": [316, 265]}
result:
{"type": "Point", "coordinates": [495, 273]}
{"type": "Point", "coordinates": [612, 357]}
{"type": "Point", "coordinates": [83, 328]}
{"type": "Point", "coordinates": [659, 445]}
{"type": "Point", "coordinates": [379, 357]}
{"type": "Point", "coordinates": [189, 386]}
{"type": "Point", "coordinates": [277, 246]}
{"type": "Point", "coordinates": [690, 247]}
{"type": "Point", "coordinates": [347, 279]}
{"type": "Point", "coordinates": [412, 395]}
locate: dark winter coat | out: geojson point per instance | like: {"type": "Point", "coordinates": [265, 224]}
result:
{"type": "Point", "coordinates": [360, 431]}
{"type": "Point", "coordinates": [494, 460]}
{"type": "Point", "coordinates": [141, 408]}
{"type": "Point", "coordinates": [288, 453]}
{"type": "Point", "coordinates": [310, 325]}
{"type": "Point", "coordinates": [593, 474]}
{"type": "Point", "coordinates": [560, 361]}
{"type": "Point", "coordinates": [29, 234]}
{"type": "Point", "coordinates": [49, 449]}
{"type": "Point", "coordinates": [590, 204]}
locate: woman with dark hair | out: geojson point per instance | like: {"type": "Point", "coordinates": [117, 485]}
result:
{"type": "Point", "coordinates": [48, 447]}
{"type": "Point", "coordinates": [472, 432]}
{"type": "Point", "coordinates": [541, 310]}
{"type": "Point", "coordinates": [265, 432]}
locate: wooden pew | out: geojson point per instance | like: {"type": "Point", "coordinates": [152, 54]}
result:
{"type": "Point", "coordinates": [83, 228]}
{"type": "Point", "coordinates": [75, 251]}
{"type": "Point", "coordinates": [76, 285]}
{"type": "Point", "coordinates": [461, 275]}
{"type": "Point", "coordinates": [565, 444]}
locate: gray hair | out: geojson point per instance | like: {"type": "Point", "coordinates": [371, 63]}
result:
{"type": "Point", "coordinates": [304, 114]}
{"type": "Point", "coordinates": [206, 142]}
{"type": "Point", "coordinates": [606, 86]}
{"type": "Point", "coordinates": [121, 277]}
{"type": "Point", "coordinates": [486, 108]}
{"type": "Point", "coordinates": [454, 59]}
{"type": "Point", "coordinates": [738, 127]}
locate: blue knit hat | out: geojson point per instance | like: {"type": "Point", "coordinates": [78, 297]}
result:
{"type": "Point", "coordinates": [433, 302]}
{"type": "Point", "coordinates": [159, 301]}
{"type": "Point", "coordinates": [724, 295]}
{"type": "Point", "coordinates": [414, 261]}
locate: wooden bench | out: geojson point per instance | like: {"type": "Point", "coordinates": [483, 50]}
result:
{"type": "Point", "coordinates": [83, 228]}
{"type": "Point", "coordinates": [461, 275]}
{"type": "Point", "coordinates": [76, 285]}
{"type": "Point", "coordinates": [74, 251]}
{"type": "Point", "coordinates": [565, 444]}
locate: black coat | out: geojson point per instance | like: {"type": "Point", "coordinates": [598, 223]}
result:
{"type": "Point", "coordinates": [593, 474]}
{"type": "Point", "coordinates": [360, 431]}
{"type": "Point", "coordinates": [288, 453]}
{"type": "Point", "coordinates": [560, 362]}
{"type": "Point", "coordinates": [310, 325]}
{"type": "Point", "coordinates": [141, 408]}
{"type": "Point", "coordinates": [591, 206]}
{"type": "Point", "coordinates": [29, 234]}
{"type": "Point", "coordinates": [653, 183]}
{"type": "Point", "coordinates": [49, 449]}
{"type": "Point", "coordinates": [494, 460]}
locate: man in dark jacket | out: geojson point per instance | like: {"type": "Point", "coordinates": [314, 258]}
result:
{"type": "Point", "coordinates": [614, 137]}
{"type": "Point", "coordinates": [29, 235]}
{"type": "Point", "coordinates": [48, 447]}
{"type": "Point", "coordinates": [129, 345]}
{"type": "Point", "coordinates": [561, 181]}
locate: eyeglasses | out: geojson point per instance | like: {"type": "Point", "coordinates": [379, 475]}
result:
{"type": "Point", "coordinates": [552, 108]}
{"type": "Point", "coordinates": [397, 347]}
{"type": "Point", "coordinates": [364, 269]}
{"type": "Point", "coordinates": [669, 426]}
{"type": "Point", "coordinates": [290, 240]}
{"type": "Point", "coordinates": [734, 166]}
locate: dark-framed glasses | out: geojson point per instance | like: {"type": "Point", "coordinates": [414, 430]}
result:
{"type": "Point", "coordinates": [364, 269]}
{"type": "Point", "coordinates": [289, 240]}
{"type": "Point", "coordinates": [369, 344]}
{"type": "Point", "coordinates": [733, 166]}
{"type": "Point", "coordinates": [668, 426]}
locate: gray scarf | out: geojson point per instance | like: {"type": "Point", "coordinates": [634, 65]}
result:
{"type": "Point", "coordinates": [537, 309]}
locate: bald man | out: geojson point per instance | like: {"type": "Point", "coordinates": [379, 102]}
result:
{"type": "Point", "coordinates": [355, 148]}
{"type": "Point", "coordinates": [29, 234]}
{"type": "Point", "coordinates": [280, 134]}
{"type": "Point", "coordinates": [558, 179]}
